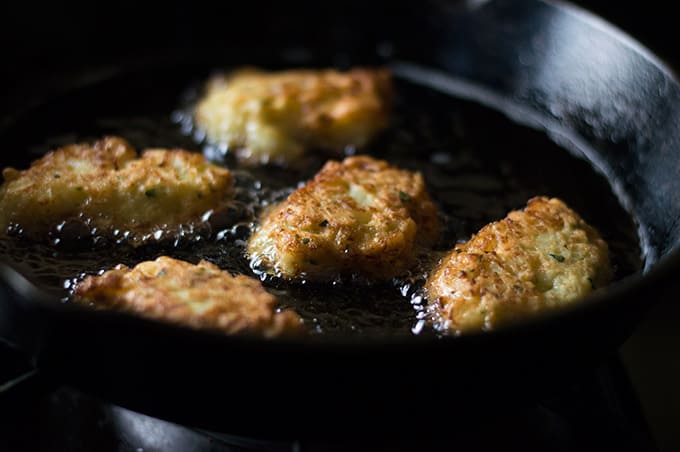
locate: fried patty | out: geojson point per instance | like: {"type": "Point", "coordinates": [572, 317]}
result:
{"type": "Point", "coordinates": [115, 193]}
{"type": "Point", "coordinates": [199, 296]}
{"type": "Point", "coordinates": [277, 116]}
{"type": "Point", "coordinates": [535, 260]}
{"type": "Point", "coordinates": [361, 216]}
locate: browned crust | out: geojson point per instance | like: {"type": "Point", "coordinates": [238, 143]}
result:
{"type": "Point", "coordinates": [278, 116]}
{"type": "Point", "coordinates": [200, 296]}
{"type": "Point", "coordinates": [360, 216]}
{"type": "Point", "coordinates": [538, 259]}
{"type": "Point", "coordinates": [106, 186]}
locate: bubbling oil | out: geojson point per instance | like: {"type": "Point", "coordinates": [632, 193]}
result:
{"type": "Point", "coordinates": [477, 164]}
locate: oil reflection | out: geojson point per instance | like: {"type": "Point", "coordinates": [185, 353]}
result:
{"type": "Point", "coordinates": [144, 433]}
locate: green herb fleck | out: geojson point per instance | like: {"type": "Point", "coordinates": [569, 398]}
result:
{"type": "Point", "coordinates": [324, 223]}
{"type": "Point", "coordinates": [557, 257]}
{"type": "Point", "coordinates": [305, 240]}
{"type": "Point", "coordinates": [150, 193]}
{"type": "Point", "coordinates": [404, 196]}
{"type": "Point", "coordinates": [162, 272]}
{"type": "Point", "coordinates": [56, 176]}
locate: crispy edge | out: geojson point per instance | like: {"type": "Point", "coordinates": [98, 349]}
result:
{"type": "Point", "coordinates": [241, 305]}
{"type": "Point", "coordinates": [312, 228]}
{"type": "Point", "coordinates": [496, 278]}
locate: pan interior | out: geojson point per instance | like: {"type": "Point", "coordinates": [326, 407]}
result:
{"type": "Point", "coordinates": [478, 165]}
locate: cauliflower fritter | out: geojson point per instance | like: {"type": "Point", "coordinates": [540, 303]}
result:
{"type": "Point", "coordinates": [532, 261]}
{"type": "Point", "coordinates": [360, 216]}
{"type": "Point", "coordinates": [113, 192]}
{"type": "Point", "coordinates": [277, 116]}
{"type": "Point", "coordinates": [199, 296]}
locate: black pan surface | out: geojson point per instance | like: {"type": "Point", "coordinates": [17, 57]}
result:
{"type": "Point", "coordinates": [597, 115]}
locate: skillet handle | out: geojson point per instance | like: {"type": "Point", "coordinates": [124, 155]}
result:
{"type": "Point", "coordinates": [20, 382]}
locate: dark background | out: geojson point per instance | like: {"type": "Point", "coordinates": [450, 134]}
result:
{"type": "Point", "coordinates": [42, 41]}
{"type": "Point", "coordinates": [43, 45]}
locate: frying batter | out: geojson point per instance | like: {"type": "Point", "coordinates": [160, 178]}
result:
{"type": "Point", "coordinates": [278, 116]}
{"type": "Point", "coordinates": [360, 216]}
{"type": "Point", "coordinates": [535, 260]}
{"type": "Point", "coordinates": [106, 187]}
{"type": "Point", "coordinates": [199, 296]}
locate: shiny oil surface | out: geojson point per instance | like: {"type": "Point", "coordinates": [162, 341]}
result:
{"type": "Point", "coordinates": [477, 163]}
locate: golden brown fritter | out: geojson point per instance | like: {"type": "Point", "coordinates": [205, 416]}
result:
{"type": "Point", "coordinates": [199, 296]}
{"type": "Point", "coordinates": [277, 116]}
{"type": "Point", "coordinates": [106, 186]}
{"type": "Point", "coordinates": [532, 261]}
{"type": "Point", "coordinates": [360, 216]}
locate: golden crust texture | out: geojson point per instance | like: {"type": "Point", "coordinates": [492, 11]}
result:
{"type": "Point", "coordinates": [532, 261]}
{"type": "Point", "coordinates": [111, 190]}
{"type": "Point", "coordinates": [277, 116]}
{"type": "Point", "coordinates": [199, 296]}
{"type": "Point", "coordinates": [360, 216]}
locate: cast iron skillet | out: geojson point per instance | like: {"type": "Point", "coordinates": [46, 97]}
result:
{"type": "Point", "coordinates": [547, 64]}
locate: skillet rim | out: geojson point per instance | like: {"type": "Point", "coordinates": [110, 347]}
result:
{"type": "Point", "coordinates": [659, 273]}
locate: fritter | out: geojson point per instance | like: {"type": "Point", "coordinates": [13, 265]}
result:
{"type": "Point", "coordinates": [277, 116]}
{"type": "Point", "coordinates": [116, 194]}
{"type": "Point", "coordinates": [199, 296]}
{"type": "Point", "coordinates": [360, 216]}
{"type": "Point", "coordinates": [536, 260]}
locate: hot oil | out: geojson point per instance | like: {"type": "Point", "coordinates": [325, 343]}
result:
{"type": "Point", "coordinates": [478, 165]}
